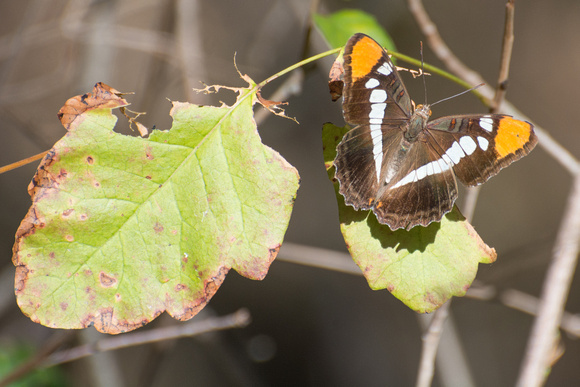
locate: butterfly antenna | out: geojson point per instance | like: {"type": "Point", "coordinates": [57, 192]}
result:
{"type": "Point", "coordinates": [423, 74]}
{"type": "Point", "coordinates": [458, 94]}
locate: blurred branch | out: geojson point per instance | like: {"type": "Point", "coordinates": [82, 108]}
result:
{"type": "Point", "coordinates": [239, 319]}
{"type": "Point", "coordinates": [431, 337]}
{"type": "Point", "coordinates": [515, 299]}
{"type": "Point", "coordinates": [51, 345]}
{"type": "Point", "coordinates": [318, 257]}
{"type": "Point", "coordinates": [189, 44]}
{"type": "Point", "coordinates": [500, 91]}
{"type": "Point", "coordinates": [506, 57]}
{"type": "Point", "coordinates": [342, 262]}
{"type": "Point", "coordinates": [557, 284]}
{"type": "Point", "coordinates": [47, 357]}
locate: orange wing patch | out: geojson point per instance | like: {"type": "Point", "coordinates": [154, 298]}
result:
{"type": "Point", "coordinates": [512, 135]}
{"type": "Point", "coordinates": [365, 55]}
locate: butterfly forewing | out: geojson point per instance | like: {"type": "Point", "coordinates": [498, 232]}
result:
{"type": "Point", "coordinates": [481, 145]}
{"type": "Point", "coordinates": [373, 91]}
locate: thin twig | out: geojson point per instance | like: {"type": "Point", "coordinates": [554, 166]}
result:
{"type": "Point", "coordinates": [429, 29]}
{"type": "Point", "coordinates": [500, 91]}
{"type": "Point", "coordinates": [239, 319]}
{"type": "Point", "coordinates": [21, 163]}
{"type": "Point", "coordinates": [554, 293]}
{"type": "Point", "coordinates": [506, 56]}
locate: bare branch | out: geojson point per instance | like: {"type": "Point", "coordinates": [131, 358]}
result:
{"type": "Point", "coordinates": [554, 294]}
{"type": "Point", "coordinates": [431, 339]}
{"type": "Point", "coordinates": [239, 319]}
{"type": "Point", "coordinates": [52, 344]}
{"type": "Point", "coordinates": [506, 56]}
{"type": "Point", "coordinates": [436, 43]}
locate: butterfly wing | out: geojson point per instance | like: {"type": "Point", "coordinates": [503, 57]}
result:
{"type": "Point", "coordinates": [479, 146]}
{"type": "Point", "coordinates": [359, 162]}
{"type": "Point", "coordinates": [377, 104]}
{"type": "Point", "coordinates": [421, 192]}
{"type": "Point", "coordinates": [373, 89]}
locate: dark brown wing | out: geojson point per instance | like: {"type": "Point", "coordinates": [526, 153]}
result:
{"type": "Point", "coordinates": [479, 146]}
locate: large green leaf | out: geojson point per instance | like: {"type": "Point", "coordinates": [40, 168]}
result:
{"type": "Point", "coordinates": [423, 267]}
{"type": "Point", "coordinates": [122, 228]}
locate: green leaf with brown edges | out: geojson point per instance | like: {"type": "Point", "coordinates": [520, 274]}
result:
{"type": "Point", "coordinates": [423, 267]}
{"type": "Point", "coordinates": [123, 228]}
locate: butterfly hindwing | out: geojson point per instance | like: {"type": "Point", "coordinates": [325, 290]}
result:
{"type": "Point", "coordinates": [359, 162]}
{"type": "Point", "coordinates": [422, 191]}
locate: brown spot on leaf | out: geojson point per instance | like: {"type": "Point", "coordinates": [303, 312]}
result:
{"type": "Point", "coordinates": [88, 272]}
{"type": "Point", "coordinates": [62, 174]}
{"type": "Point", "coordinates": [66, 213]}
{"type": "Point", "coordinates": [118, 297]}
{"type": "Point", "coordinates": [83, 217]}
{"type": "Point", "coordinates": [158, 228]}
{"type": "Point", "coordinates": [149, 153]}
{"type": "Point", "coordinates": [180, 287]}
{"type": "Point", "coordinates": [64, 306]}
{"type": "Point", "coordinates": [69, 238]}
{"type": "Point", "coordinates": [90, 160]}
{"type": "Point", "coordinates": [148, 177]}
{"type": "Point", "coordinates": [390, 287]}
{"type": "Point", "coordinates": [106, 280]}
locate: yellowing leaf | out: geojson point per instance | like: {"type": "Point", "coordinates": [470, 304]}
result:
{"type": "Point", "coordinates": [122, 228]}
{"type": "Point", "coordinates": [423, 267]}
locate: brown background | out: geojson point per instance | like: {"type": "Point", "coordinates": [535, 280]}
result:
{"type": "Point", "coordinates": [326, 328]}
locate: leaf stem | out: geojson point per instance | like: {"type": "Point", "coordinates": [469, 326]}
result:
{"type": "Point", "coordinates": [299, 64]}
{"type": "Point", "coordinates": [405, 58]}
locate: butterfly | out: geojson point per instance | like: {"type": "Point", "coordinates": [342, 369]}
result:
{"type": "Point", "coordinates": [400, 165]}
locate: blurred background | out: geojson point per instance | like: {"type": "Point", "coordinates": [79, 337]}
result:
{"type": "Point", "coordinates": [311, 326]}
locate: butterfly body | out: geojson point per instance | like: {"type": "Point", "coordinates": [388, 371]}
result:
{"type": "Point", "coordinates": [400, 165]}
